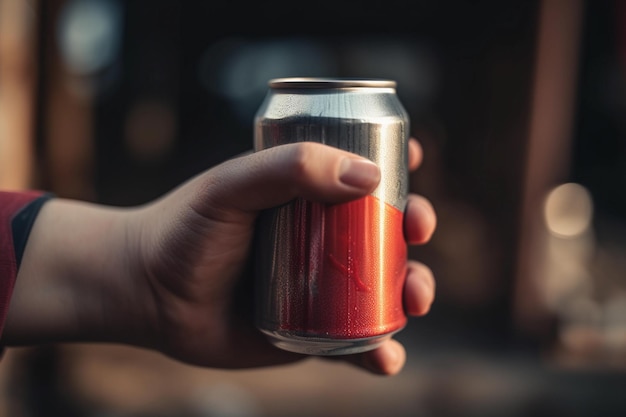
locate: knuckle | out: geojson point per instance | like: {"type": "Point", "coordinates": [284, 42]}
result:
{"type": "Point", "coordinates": [423, 271]}
{"type": "Point", "coordinates": [300, 160]}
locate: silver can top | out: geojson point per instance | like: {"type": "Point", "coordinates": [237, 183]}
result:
{"type": "Point", "coordinates": [321, 82]}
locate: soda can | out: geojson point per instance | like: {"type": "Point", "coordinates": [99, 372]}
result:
{"type": "Point", "coordinates": [330, 277]}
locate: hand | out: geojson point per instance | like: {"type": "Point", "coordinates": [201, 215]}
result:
{"type": "Point", "coordinates": [196, 246]}
{"type": "Point", "coordinates": [174, 275]}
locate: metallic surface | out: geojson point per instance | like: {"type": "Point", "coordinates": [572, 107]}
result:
{"type": "Point", "coordinates": [360, 116]}
{"type": "Point", "coordinates": [330, 276]}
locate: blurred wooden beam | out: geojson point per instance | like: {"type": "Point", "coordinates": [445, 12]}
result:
{"type": "Point", "coordinates": [18, 80]}
{"type": "Point", "coordinates": [549, 150]}
{"type": "Point", "coordinates": [67, 134]}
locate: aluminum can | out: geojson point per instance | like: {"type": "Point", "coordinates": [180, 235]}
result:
{"type": "Point", "coordinates": [330, 277]}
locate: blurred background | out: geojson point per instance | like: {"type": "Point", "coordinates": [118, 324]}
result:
{"type": "Point", "coordinates": [520, 107]}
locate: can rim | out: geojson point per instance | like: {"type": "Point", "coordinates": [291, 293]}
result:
{"type": "Point", "coordinates": [323, 82]}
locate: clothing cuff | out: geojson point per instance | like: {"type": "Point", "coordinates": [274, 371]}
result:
{"type": "Point", "coordinates": [18, 211]}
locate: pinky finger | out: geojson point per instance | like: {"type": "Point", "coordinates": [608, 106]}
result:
{"type": "Point", "coordinates": [387, 359]}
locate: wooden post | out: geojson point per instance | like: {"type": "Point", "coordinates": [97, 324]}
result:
{"type": "Point", "coordinates": [18, 80]}
{"type": "Point", "coordinates": [548, 157]}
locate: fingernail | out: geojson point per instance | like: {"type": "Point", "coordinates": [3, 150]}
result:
{"type": "Point", "coordinates": [359, 173]}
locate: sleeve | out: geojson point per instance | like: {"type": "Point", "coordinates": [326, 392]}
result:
{"type": "Point", "coordinates": [18, 211]}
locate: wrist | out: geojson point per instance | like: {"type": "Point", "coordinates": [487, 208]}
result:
{"type": "Point", "coordinates": [76, 282]}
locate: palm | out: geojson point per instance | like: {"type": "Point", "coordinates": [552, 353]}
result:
{"type": "Point", "coordinates": [203, 311]}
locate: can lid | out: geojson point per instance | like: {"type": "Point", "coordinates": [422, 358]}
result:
{"type": "Point", "coordinates": [321, 82]}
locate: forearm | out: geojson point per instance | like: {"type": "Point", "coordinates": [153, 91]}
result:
{"type": "Point", "coordinates": [75, 282]}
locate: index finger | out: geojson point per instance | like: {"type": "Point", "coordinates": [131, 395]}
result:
{"type": "Point", "coordinates": [416, 154]}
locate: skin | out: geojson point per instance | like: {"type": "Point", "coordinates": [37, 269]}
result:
{"type": "Point", "coordinates": [174, 275]}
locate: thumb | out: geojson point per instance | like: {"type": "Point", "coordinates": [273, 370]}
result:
{"type": "Point", "coordinates": [276, 175]}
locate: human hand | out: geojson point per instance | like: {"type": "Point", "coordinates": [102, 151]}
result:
{"type": "Point", "coordinates": [195, 252]}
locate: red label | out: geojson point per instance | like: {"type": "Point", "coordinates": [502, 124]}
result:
{"type": "Point", "coordinates": [347, 266]}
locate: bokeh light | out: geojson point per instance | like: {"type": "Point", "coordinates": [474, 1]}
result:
{"type": "Point", "coordinates": [568, 210]}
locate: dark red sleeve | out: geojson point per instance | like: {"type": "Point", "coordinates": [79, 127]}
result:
{"type": "Point", "coordinates": [18, 211]}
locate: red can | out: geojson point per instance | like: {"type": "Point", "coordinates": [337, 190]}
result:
{"type": "Point", "coordinates": [330, 277]}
